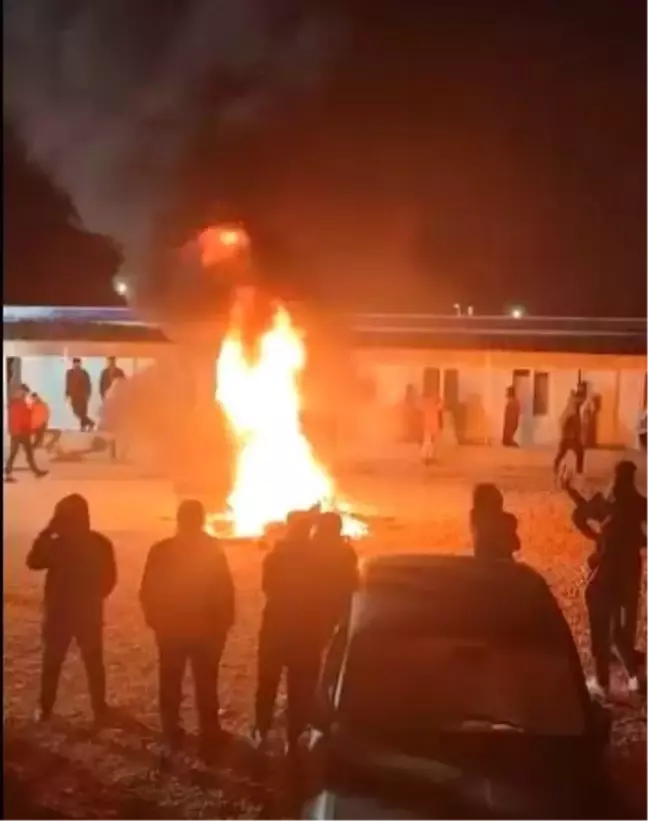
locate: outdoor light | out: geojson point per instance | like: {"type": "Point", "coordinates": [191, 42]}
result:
{"type": "Point", "coordinates": [457, 308]}
{"type": "Point", "coordinates": [517, 312]}
{"type": "Point", "coordinates": [121, 286]}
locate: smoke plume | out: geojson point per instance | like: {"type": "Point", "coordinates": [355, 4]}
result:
{"type": "Point", "coordinates": [106, 94]}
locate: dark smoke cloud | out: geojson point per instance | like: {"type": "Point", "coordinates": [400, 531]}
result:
{"type": "Point", "coordinates": [106, 93]}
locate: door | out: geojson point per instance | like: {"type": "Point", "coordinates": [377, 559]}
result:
{"type": "Point", "coordinates": [523, 385]}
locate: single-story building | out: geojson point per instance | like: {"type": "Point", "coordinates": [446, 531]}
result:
{"type": "Point", "coordinates": [469, 361]}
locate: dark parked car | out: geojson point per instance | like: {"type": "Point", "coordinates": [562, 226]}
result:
{"type": "Point", "coordinates": [455, 691]}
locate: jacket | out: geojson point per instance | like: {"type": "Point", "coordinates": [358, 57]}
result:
{"type": "Point", "coordinates": [108, 376]}
{"type": "Point", "coordinates": [308, 586]}
{"type": "Point", "coordinates": [187, 592]}
{"type": "Point", "coordinates": [496, 537]}
{"type": "Point", "coordinates": [77, 384]}
{"type": "Point", "coordinates": [19, 418]}
{"type": "Point", "coordinates": [80, 574]}
{"type": "Point", "coordinates": [40, 414]}
{"type": "Point", "coordinates": [621, 537]}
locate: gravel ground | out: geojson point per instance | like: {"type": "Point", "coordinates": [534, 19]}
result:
{"type": "Point", "coordinates": [116, 773]}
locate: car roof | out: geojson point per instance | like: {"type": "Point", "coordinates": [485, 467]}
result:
{"type": "Point", "coordinates": [418, 570]}
{"type": "Point", "coordinates": [458, 593]}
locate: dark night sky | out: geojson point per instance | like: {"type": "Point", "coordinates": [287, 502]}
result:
{"type": "Point", "coordinates": [485, 152]}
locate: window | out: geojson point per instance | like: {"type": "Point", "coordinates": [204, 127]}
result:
{"type": "Point", "coordinates": [451, 388]}
{"type": "Point", "coordinates": [540, 393]}
{"type": "Point", "coordinates": [431, 382]}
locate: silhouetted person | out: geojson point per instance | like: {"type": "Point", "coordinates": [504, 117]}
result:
{"type": "Point", "coordinates": [590, 409]}
{"type": "Point", "coordinates": [187, 595]}
{"type": "Point", "coordinates": [19, 419]}
{"type": "Point", "coordinates": [80, 574]}
{"type": "Point", "coordinates": [432, 410]}
{"type": "Point", "coordinates": [613, 590]}
{"type": "Point", "coordinates": [111, 372]}
{"type": "Point", "coordinates": [40, 418]}
{"type": "Point", "coordinates": [78, 390]}
{"type": "Point", "coordinates": [571, 434]}
{"type": "Point", "coordinates": [307, 583]}
{"type": "Point", "coordinates": [511, 418]}
{"type": "Point", "coordinates": [494, 531]}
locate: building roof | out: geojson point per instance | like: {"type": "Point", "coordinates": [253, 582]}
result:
{"type": "Point", "coordinates": [614, 335]}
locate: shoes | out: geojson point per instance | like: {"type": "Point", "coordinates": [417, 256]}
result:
{"type": "Point", "coordinates": [9, 479]}
{"type": "Point", "coordinates": [40, 473]}
{"type": "Point", "coordinates": [596, 689]}
{"type": "Point", "coordinates": [259, 739]}
{"type": "Point", "coordinates": [633, 684]}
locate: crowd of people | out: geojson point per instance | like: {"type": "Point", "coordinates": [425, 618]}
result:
{"type": "Point", "coordinates": [309, 576]}
{"type": "Point", "coordinates": [29, 415]}
{"type": "Point", "coordinates": [188, 600]}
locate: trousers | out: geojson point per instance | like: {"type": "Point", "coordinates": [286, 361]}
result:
{"type": "Point", "coordinates": [612, 607]}
{"type": "Point", "coordinates": [301, 661]}
{"type": "Point", "coordinates": [79, 405]}
{"type": "Point", "coordinates": [56, 644]}
{"type": "Point", "coordinates": [204, 658]}
{"type": "Point", "coordinates": [17, 444]}
{"type": "Point", "coordinates": [563, 449]}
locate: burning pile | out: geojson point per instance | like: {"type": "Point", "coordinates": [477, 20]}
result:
{"type": "Point", "coordinates": [276, 470]}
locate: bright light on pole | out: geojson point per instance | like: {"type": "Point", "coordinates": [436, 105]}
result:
{"type": "Point", "coordinates": [517, 312]}
{"type": "Point", "coordinates": [121, 286]}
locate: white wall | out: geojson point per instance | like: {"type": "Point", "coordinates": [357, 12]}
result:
{"type": "Point", "coordinates": [630, 403]}
{"type": "Point", "coordinates": [46, 376]}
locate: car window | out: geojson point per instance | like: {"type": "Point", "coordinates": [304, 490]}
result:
{"type": "Point", "coordinates": [419, 683]}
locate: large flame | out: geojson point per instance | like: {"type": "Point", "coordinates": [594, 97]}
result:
{"type": "Point", "coordinates": [276, 469]}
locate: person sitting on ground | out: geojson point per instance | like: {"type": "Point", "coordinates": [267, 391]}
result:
{"type": "Point", "coordinates": [40, 418]}
{"type": "Point", "coordinates": [494, 530]}
{"type": "Point", "coordinates": [80, 575]}
{"type": "Point", "coordinates": [187, 595]}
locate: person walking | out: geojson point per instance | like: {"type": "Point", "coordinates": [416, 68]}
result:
{"type": "Point", "coordinates": [307, 578]}
{"type": "Point", "coordinates": [571, 435]}
{"type": "Point", "coordinates": [78, 390]}
{"type": "Point", "coordinates": [614, 586]}
{"type": "Point", "coordinates": [108, 375]}
{"type": "Point", "coordinates": [40, 418]}
{"type": "Point", "coordinates": [432, 410]}
{"type": "Point", "coordinates": [187, 595]}
{"type": "Point", "coordinates": [512, 412]}
{"type": "Point", "coordinates": [80, 575]}
{"type": "Point", "coordinates": [19, 417]}
{"type": "Point", "coordinates": [494, 531]}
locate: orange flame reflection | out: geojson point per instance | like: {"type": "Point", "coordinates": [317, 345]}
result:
{"type": "Point", "coordinates": [276, 470]}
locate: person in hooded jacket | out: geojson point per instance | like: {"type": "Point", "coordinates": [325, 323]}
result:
{"type": "Point", "coordinates": [80, 575]}
{"type": "Point", "coordinates": [187, 595]}
{"type": "Point", "coordinates": [494, 530]}
{"type": "Point", "coordinates": [308, 579]}
{"type": "Point", "coordinates": [613, 590]}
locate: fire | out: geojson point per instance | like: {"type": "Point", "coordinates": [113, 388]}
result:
{"type": "Point", "coordinates": [219, 243]}
{"type": "Point", "coordinates": [276, 469]}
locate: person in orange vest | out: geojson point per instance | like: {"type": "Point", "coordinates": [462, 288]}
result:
{"type": "Point", "coordinates": [40, 417]}
{"type": "Point", "coordinates": [20, 432]}
{"type": "Point", "coordinates": [432, 410]}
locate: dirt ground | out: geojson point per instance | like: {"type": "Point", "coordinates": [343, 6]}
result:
{"type": "Point", "coordinates": [71, 771]}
